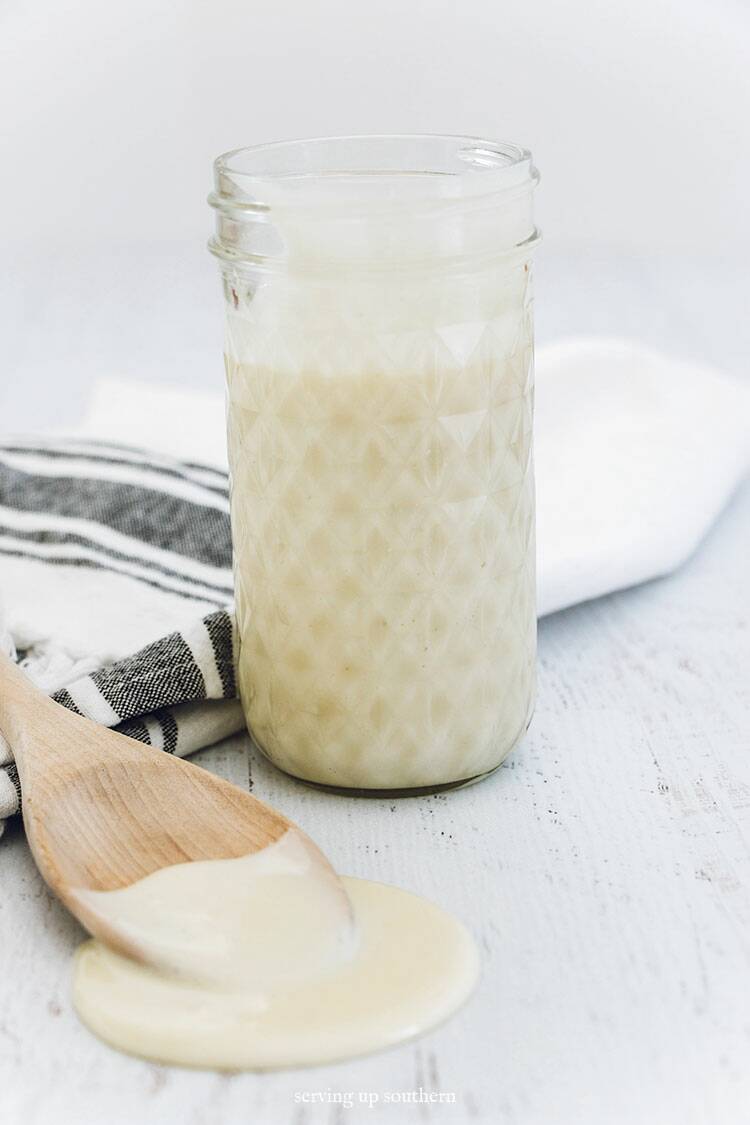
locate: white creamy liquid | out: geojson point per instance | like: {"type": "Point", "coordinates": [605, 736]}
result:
{"type": "Point", "coordinates": [382, 518]}
{"type": "Point", "coordinates": [263, 962]}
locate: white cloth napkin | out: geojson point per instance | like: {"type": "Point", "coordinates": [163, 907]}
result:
{"type": "Point", "coordinates": [636, 454]}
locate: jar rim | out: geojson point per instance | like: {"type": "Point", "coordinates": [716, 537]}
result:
{"type": "Point", "coordinates": [492, 151]}
{"type": "Point", "coordinates": [444, 166]}
{"type": "Point", "coordinates": [349, 200]}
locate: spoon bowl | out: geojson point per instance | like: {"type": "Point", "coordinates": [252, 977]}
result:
{"type": "Point", "coordinates": [102, 811]}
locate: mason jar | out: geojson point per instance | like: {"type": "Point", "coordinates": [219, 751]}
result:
{"type": "Point", "coordinates": [379, 365]}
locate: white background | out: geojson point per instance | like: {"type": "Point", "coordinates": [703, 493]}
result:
{"type": "Point", "coordinates": [636, 110]}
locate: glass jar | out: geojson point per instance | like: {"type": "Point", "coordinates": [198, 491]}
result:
{"type": "Point", "coordinates": [379, 362]}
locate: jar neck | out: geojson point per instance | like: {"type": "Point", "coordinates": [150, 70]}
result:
{"type": "Point", "coordinates": [373, 203]}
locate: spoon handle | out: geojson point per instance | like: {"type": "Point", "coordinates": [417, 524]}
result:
{"type": "Point", "coordinates": [23, 709]}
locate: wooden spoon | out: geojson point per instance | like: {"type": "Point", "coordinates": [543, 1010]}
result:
{"type": "Point", "coordinates": [102, 811]}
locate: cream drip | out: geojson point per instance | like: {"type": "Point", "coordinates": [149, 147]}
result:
{"type": "Point", "coordinates": [269, 961]}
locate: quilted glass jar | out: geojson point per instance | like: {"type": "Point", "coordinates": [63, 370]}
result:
{"type": "Point", "coordinates": [379, 363]}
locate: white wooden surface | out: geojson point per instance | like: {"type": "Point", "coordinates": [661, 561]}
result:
{"type": "Point", "coordinates": [605, 870]}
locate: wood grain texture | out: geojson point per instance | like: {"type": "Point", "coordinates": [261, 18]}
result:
{"type": "Point", "coordinates": [605, 869]}
{"type": "Point", "coordinates": [102, 811]}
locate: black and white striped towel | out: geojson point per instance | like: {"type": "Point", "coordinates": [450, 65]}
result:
{"type": "Point", "coordinates": [116, 587]}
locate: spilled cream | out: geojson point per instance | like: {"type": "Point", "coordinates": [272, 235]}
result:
{"type": "Point", "coordinates": [269, 961]}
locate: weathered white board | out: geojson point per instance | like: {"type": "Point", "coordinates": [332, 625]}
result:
{"type": "Point", "coordinates": [605, 869]}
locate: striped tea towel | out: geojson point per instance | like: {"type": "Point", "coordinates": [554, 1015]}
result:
{"type": "Point", "coordinates": [104, 550]}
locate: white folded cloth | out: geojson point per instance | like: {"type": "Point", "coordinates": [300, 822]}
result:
{"type": "Point", "coordinates": [636, 454]}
